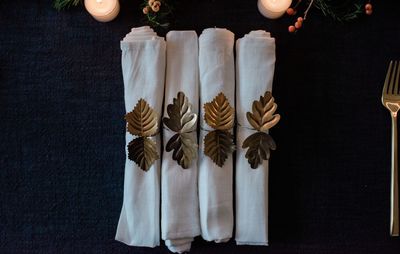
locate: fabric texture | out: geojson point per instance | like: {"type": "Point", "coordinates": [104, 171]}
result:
{"type": "Point", "coordinates": [217, 74]}
{"type": "Point", "coordinates": [255, 65]}
{"type": "Point", "coordinates": [179, 195]}
{"type": "Point", "coordinates": [62, 129]}
{"type": "Point", "coordinates": [143, 68]}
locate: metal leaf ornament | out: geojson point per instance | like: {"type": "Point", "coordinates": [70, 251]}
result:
{"type": "Point", "coordinates": [219, 115]}
{"type": "Point", "coordinates": [259, 144]}
{"type": "Point", "coordinates": [184, 147]}
{"type": "Point", "coordinates": [142, 121]}
{"type": "Point", "coordinates": [181, 118]}
{"type": "Point", "coordinates": [182, 121]}
{"type": "Point", "coordinates": [143, 151]}
{"type": "Point", "coordinates": [218, 145]}
{"type": "Point", "coordinates": [262, 119]}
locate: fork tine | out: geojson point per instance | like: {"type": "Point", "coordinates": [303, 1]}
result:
{"type": "Point", "coordinates": [393, 74]}
{"type": "Point", "coordinates": [385, 86]}
{"type": "Point", "coordinates": [397, 74]}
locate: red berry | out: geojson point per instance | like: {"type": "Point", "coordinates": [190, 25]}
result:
{"type": "Point", "coordinates": [297, 25]}
{"type": "Point", "coordinates": [290, 11]}
{"type": "Point", "coordinates": [300, 19]}
{"type": "Point", "coordinates": [292, 29]}
{"type": "Point", "coordinates": [368, 12]}
{"type": "Point", "coordinates": [368, 7]}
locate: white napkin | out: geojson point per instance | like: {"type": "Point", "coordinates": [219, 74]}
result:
{"type": "Point", "coordinates": [143, 69]}
{"type": "Point", "coordinates": [255, 64]}
{"type": "Point", "coordinates": [179, 200]}
{"type": "Point", "coordinates": [217, 74]}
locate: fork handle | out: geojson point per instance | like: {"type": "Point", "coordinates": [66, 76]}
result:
{"type": "Point", "coordinates": [394, 186]}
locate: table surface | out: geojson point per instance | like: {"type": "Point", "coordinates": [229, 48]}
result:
{"type": "Point", "coordinates": [62, 128]}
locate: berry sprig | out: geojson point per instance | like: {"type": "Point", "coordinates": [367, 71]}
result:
{"type": "Point", "coordinates": [299, 22]}
{"type": "Point", "coordinates": [157, 12]}
{"type": "Point", "coordinates": [368, 8]}
{"type": "Point", "coordinates": [329, 8]}
{"type": "Point", "coordinates": [152, 6]}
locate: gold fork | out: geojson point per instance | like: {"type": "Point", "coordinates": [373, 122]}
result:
{"type": "Point", "coordinates": [391, 100]}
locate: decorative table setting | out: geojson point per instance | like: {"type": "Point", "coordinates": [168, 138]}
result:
{"type": "Point", "coordinates": [200, 126]}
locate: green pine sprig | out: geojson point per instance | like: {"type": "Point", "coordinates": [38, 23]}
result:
{"type": "Point", "coordinates": [343, 10]}
{"type": "Point", "coordinates": [64, 4]}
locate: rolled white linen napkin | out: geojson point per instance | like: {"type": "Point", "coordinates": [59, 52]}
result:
{"type": "Point", "coordinates": [179, 196]}
{"type": "Point", "coordinates": [255, 64]}
{"type": "Point", "coordinates": [143, 69]}
{"type": "Point", "coordinates": [217, 74]}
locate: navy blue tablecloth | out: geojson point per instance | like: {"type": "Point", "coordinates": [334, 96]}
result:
{"type": "Point", "coordinates": [62, 128]}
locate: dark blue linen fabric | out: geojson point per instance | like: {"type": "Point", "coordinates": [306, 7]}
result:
{"type": "Point", "coordinates": [62, 128]}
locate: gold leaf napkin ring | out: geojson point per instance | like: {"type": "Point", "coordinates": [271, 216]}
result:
{"type": "Point", "coordinates": [142, 121]}
{"type": "Point", "coordinates": [262, 119]}
{"type": "Point", "coordinates": [183, 122]}
{"type": "Point", "coordinates": [220, 116]}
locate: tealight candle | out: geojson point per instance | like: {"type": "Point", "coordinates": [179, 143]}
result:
{"type": "Point", "coordinates": [273, 9]}
{"type": "Point", "coordinates": [102, 10]}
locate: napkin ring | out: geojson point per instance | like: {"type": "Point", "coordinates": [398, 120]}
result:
{"type": "Point", "coordinates": [183, 122]}
{"type": "Point", "coordinates": [220, 116]}
{"type": "Point", "coordinates": [142, 121]}
{"type": "Point", "coordinates": [262, 119]}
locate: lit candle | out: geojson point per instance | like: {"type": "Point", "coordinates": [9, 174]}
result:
{"type": "Point", "coordinates": [273, 9]}
{"type": "Point", "coordinates": [102, 10]}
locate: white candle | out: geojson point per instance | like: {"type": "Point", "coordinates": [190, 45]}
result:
{"type": "Point", "coordinates": [102, 10]}
{"type": "Point", "coordinates": [273, 9]}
